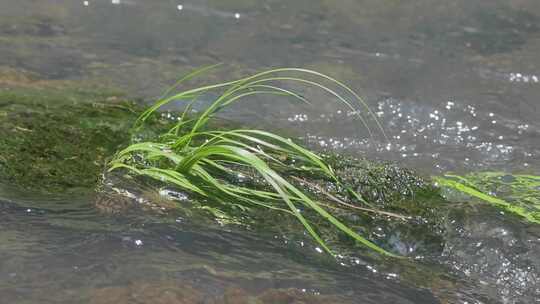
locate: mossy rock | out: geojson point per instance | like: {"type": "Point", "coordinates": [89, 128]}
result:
{"type": "Point", "coordinates": [51, 143]}
{"type": "Point", "coordinates": [60, 140]}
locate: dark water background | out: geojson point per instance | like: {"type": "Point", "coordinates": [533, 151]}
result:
{"type": "Point", "coordinates": [456, 85]}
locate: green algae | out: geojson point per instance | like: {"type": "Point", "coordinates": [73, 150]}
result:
{"type": "Point", "coordinates": [58, 141]}
{"type": "Point", "coordinates": [516, 193]}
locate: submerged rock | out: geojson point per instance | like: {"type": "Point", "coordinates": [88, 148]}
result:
{"type": "Point", "coordinates": [158, 293]}
{"type": "Point", "coordinates": [182, 293]}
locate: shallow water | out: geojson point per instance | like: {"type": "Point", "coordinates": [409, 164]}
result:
{"type": "Point", "coordinates": [61, 250]}
{"type": "Point", "coordinates": [456, 85]}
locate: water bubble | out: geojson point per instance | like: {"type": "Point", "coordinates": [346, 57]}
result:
{"type": "Point", "coordinates": [391, 276]}
{"type": "Point", "coordinates": [371, 268]}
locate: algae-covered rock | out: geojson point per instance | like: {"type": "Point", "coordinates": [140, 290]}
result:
{"type": "Point", "coordinates": [51, 143]}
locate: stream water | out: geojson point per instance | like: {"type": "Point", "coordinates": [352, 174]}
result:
{"type": "Point", "coordinates": [455, 84]}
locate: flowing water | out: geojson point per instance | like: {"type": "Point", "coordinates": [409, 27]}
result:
{"type": "Point", "coordinates": [455, 84]}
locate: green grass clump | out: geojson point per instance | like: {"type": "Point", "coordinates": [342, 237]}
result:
{"type": "Point", "coordinates": [207, 161]}
{"type": "Point", "coordinates": [516, 193]}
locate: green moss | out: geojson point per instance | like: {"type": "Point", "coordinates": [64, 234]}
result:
{"type": "Point", "coordinates": [53, 142]}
